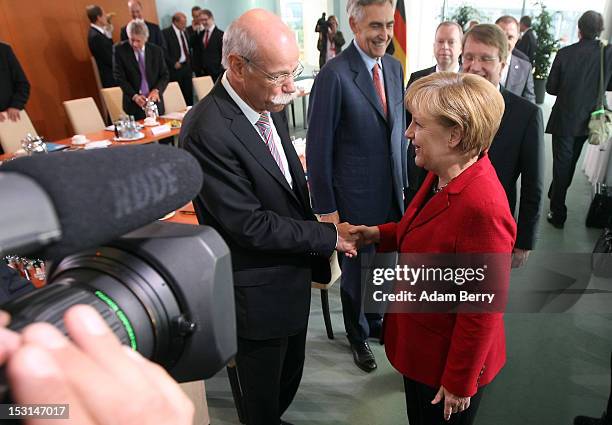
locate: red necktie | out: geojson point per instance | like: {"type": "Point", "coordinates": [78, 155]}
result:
{"type": "Point", "coordinates": [380, 91]}
{"type": "Point", "coordinates": [205, 38]}
{"type": "Point", "coordinates": [184, 46]}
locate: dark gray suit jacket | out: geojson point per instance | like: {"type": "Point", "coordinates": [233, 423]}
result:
{"type": "Point", "coordinates": [574, 79]}
{"type": "Point", "coordinates": [101, 48]}
{"type": "Point", "coordinates": [356, 156]}
{"type": "Point", "coordinates": [520, 78]}
{"type": "Point", "coordinates": [528, 44]}
{"type": "Point", "coordinates": [269, 227]}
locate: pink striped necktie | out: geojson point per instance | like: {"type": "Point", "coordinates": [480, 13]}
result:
{"type": "Point", "coordinates": [265, 129]}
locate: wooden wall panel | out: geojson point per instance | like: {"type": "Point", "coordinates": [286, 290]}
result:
{"type": "Point", "coordinates": [54, 53]}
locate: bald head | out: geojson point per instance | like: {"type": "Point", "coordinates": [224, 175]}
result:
{"type": "Point", "coordinates": [179, 20]}
{"type": "Point", "coordinates": [260, 36]}
{"type": "Point", "coordinates": [135, 9]}
{"type": "Point", "coordinates": [261, 56]}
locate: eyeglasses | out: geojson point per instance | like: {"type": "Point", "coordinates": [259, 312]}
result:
{"type": "Point", "coordinates": [483, 59]}
{"type": "Point", "coordinates": [279, 79]}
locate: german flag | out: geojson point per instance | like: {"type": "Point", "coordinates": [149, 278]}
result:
{"type": "Point", "coordinates": [399, 35]}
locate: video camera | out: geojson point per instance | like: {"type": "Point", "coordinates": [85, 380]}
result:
{"type": "Point", "coordinates": [322, 25]}
{"type": "Point", "coordinates": [165, 289]}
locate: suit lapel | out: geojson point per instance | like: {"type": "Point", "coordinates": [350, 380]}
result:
{"type": "Point", "coordinates": [295, 166]}
{"type": "Point", "coordinates": [131, 58]}
{"type": "Point", "coordinates": [250, 138]}
{"type": "Point", "coordinates": [149, 65]}
{"type": "Point", "coordinates": [363, 79]}
{"type": "Point", "coordinates": [393, 96]}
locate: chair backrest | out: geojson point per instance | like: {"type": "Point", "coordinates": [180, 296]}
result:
{"type": "Point", "coordinates": [173, 98]}
{"type": "Point", "coordinates": [11, 132]}
{"type": "Point", "coordinates": [113, 98]}
{"type": "Point", "coordinates": [84, 115]}
{"type": "Point", "coordinates": [96, 71]}
{"type": "Point", "coordinates": [202, 86]}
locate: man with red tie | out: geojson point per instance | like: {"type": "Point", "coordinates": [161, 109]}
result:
{"type": "Point", "coordinates": [356, 152]}
{"type": "Point", "coordinates": [178, 58]}
{"type": "Point", "coordinates": [207, 47]}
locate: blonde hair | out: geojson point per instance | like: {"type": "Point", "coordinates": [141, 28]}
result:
{"type": "Point", "coordinates": [464, 100]}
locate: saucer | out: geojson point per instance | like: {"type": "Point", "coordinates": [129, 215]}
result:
{"type": "Point", "coordinates": [153, 124]}
{"type": "Point", "coordinates": [83, 142]}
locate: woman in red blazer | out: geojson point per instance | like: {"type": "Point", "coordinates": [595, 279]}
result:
{"type": "Point", "coordinates": [446, 358]}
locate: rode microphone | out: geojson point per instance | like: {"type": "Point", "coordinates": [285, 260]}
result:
{"type": "Point", "coordinates": [62, 203]}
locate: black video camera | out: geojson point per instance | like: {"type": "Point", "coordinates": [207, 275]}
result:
{"type": "Point", "coordinates": [322, 25]}
{"type": "Point", "coordinates": [165, 289]}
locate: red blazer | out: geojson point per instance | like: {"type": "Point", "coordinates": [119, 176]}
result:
{"type": "Point", "coordinates": [470, 215]}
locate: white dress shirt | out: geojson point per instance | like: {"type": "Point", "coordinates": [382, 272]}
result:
{"type": "Point", "coordinates": [179, 35]}
{"type": "Point", "coordinates": [253, 117]}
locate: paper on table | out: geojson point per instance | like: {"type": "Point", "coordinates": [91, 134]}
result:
{"type": "Point", "coordinates": [174, 116]}
{"type": "Point", "coordinates": [161, 129]}
{"type": "Point", "coordinates": [98, 144]}
{"type": "Point", "coordinates": [300, 146]}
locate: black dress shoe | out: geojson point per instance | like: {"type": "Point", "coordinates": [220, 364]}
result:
{"type": "Point", "coordinates": [555, 222]}
{"type": "Point", "coordinates": [363, 356]}
{"type": "Point", "coordinates": [587, 420]}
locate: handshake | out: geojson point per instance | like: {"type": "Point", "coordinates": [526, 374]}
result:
{"type": "Point", "coordinates": [351, 238]}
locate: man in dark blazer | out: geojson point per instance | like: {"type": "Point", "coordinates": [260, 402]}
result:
{"type": "Point", "coordinates": [14, 86]}
{"type": "Point", "coordinates": [100, 44]}
{"type": "Point", "coordinates": [155, 35]}
{"type": "Point", "coordinates": [574, 79]}
{"type": "Point", "coordinates": [178, 58]}
{"type": "Point", "coordinates": [518, 147]}
{"type": "Point", "coordinates": [356, 151]}
{"type": "Point", "coordinates": [517, 75]}
{"type": "Point", "coordinates": [447, 50]}
{"type": "Point", "coordinates": [140, 70]}
{"type": "Point", "coordinates": [207, 47]}
{"type": "Point", "coordinates": [528, 42]}
{"type": "Point", "coordinates": [195, 22]}
{"type": "Point", "coordinates": [255, 195]}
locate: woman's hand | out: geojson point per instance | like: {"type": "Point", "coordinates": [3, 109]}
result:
{"type": "Point", "coordinates": [367, 235]}
{"type": "Point", "coordinates": [452, 403]}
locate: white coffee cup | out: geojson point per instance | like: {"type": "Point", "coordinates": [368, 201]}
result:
{"type": "Point", "coordinates": [79, 139]}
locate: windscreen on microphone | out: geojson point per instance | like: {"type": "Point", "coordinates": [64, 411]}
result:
{"type": "Point", "coordinates": [102, 194]}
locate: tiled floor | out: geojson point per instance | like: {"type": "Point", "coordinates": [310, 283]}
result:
{"type": "Point", "coordinates": [558, 364]}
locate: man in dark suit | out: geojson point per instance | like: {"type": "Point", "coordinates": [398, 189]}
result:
{"type": "Point", "coordinates": [195, 22]}
{"type": "Point", "coordinates": [207, 47]}
{"type": "Point", "coordinates": [140, 70]}
{"type": "Point", "coordinates": [528, 42]}
{"type": "Point", "coordinates": [101, 44]}
{"type": "Point", "coordinates": [356, 151]}
{"type": "Point", "coordinates": [574, 79]}
{"type": "Point", "coordinates": [255, 195]}
{"type": "Point", "coordinates": [518, 147]}
{"type": "Point", "coordinates": [178, 58]}
{"type": "Point", "coordinates": [155, 35]}
{"type": "Point", "coordinates": [447, 50]}
{"type": "Point", "coordinates": [516, 75]}
{"type": "Point", "coordinates": [14, 86]}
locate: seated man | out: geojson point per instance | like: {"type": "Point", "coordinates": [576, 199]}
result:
{"type": "Point", "coordinates": [140, 71]}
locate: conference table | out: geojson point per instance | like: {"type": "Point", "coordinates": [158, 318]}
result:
{"type": "Point", "coordinates": [149, 137]}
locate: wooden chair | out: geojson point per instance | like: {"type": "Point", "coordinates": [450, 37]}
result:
{"type": "Point", "coordinates": [202, 85]}
{"type": "Point", "coordinates": [84, 115]}
{"type": "Point", "coordinates": [173, 98]}
{"type": "Point", "coordinates": [324, 287]}
{"type": "Point", "coordinates": [11, 132]}
{"type": "Point", "coordinates": [96, 71]}
{"type": "Point", "coordinates": [113, 99]}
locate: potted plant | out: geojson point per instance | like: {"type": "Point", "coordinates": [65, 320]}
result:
{"type": "Point", "coordinates": [547, 46]}
{"type": "Point", "coordinates": [464, 14]}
